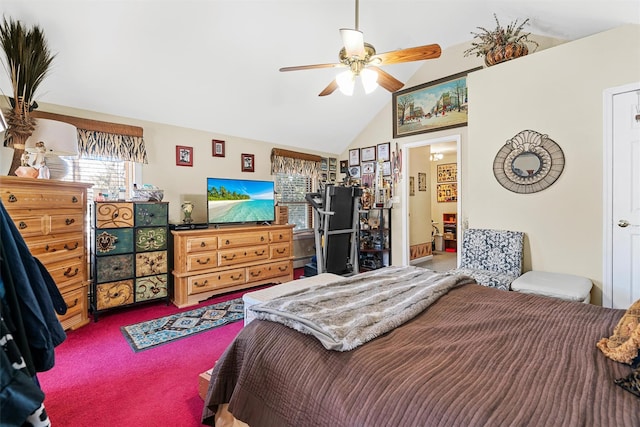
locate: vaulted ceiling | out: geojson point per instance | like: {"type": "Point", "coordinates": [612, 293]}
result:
{"type": "Point", "coordinates": [213, 65]}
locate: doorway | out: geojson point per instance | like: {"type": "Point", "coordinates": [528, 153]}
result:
{"type": "Point", "coordinates": [449, 145]}
{"type": "Point", "coordinates": [621, 275]}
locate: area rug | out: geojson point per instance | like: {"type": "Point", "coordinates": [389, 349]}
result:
{"type": "Point", "coordinates": [152, 333]}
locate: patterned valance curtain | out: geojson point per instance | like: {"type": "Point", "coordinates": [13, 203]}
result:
{"type": "Point", "coordinates": [98, 139]}
{"type": "Point", "coordinates": [92, 144]}
{"type": "Point", "coordinates": [293, 162]}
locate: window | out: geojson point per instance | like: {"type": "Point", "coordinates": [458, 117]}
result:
{"type": "Point", "coordinates": [104, 174]}
{"type": "Point", "coordinates": [290, 191]}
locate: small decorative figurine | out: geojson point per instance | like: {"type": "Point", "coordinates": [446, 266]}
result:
{"type": "Point", "coordinates": [187, 209]}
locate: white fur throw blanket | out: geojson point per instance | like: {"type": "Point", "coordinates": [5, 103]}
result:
{"type": "Point", "coordinates": [346, 314]}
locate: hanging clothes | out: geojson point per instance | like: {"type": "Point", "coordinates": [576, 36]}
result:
{"type": "Point", "coordinates": [30, 328]}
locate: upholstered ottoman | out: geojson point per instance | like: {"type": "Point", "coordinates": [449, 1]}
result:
{"type": "Point", "coordinates": [557, 285]}
{"type": "Point", "coordinates": [257, 297]}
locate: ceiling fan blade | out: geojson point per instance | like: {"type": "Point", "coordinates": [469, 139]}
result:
{"type": "Point", "coordinates": [353, 41]}
{"type": "Point", "coordinates": [311, 67]}
{"type": "Point", "coordinates": [329, 89]}
{"type": "Point", "coordinates": [387, 81]}
{"type": "Point", "coordinates": [418, 53]}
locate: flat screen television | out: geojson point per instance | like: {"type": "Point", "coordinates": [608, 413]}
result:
{"type": "Point", "coordinates": [233, 201]}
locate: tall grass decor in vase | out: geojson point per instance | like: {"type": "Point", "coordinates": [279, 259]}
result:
{"type": "Point", "coordinates": [27, 61]}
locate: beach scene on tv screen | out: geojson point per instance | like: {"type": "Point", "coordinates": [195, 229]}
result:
{"type": "Point", "coordinates": [232, 200]}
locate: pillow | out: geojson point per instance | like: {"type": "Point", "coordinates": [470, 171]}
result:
{"type": "Point", "coordinates": [623, 345]}
{"type": "Point", "coordinates": [631, 382]}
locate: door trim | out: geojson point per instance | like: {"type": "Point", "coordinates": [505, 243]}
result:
{"type": "Point", "coordinates": [607, 189]}
{"type": "Point", "coordinates": [405, 187]}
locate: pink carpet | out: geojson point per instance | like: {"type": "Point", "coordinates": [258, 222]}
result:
{"type": "Point", "coordinates": [99, 381]}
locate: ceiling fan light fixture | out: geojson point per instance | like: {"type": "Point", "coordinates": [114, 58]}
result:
{"type": "Point", "coordinates": [369, 80]}
{"type": "Point", "coordinates": [346, 82]}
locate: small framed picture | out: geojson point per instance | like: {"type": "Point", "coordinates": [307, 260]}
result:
{"type": "Point", "coordinates": [386, 168]}
{"type": "Point", "coordinates": [383, 151]}
{"type": "Point", "coordinates": [217, 147]}
{"type": "Point", "coordinates": [184, 155]}
{"type": "Point", "coordinates": [354, 157]}
{"type": "Point", "coordinates": [354, 171]}
{"type": "Point", "coordinates": [344, 164]}
{"type": "Point", "coordinates": [369, 167]}
{"type": "Point", "coordinates": [248, 162]}
{"type": "Point", "coordinates": [368, 154]}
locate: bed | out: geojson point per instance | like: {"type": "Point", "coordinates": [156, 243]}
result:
{"type": "Point", "coordinates": [477, 356]}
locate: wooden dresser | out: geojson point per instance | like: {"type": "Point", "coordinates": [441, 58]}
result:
{"type": "Point", "coordinates": [51, 215]}
{"type": "Point", "coordinates": [218, 260]}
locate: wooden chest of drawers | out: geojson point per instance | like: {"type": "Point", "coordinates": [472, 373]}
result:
{"type": "Point", "coordinates": [213, 261]}
{"type": "Point", "coordinates": [51, 217]}
{"type": "Point", "coordinates": [129, 253]}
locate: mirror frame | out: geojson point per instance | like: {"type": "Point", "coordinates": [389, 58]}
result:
{"type": "Point", "coordinates": [529, 141]}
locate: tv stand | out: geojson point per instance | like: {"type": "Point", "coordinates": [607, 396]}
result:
{"type": "Point", "coordinates": [218, 260]}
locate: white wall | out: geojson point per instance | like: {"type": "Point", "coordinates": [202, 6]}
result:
{"type": "Point", "coordinates": [420, 203]}
{"type": "Point", "coordinates": [556, 92]}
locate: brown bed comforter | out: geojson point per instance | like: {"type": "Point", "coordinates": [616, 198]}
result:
{"type": "Point", "coordinates": [477, 357]}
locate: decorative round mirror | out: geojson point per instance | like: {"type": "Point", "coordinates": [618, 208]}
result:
{"type": "Point", "coordinates": [529, 162]}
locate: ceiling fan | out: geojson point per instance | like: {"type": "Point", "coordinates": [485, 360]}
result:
{"type": "Point", "coordinates": [362, 60]}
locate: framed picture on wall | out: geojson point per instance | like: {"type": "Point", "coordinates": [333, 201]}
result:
{"type": "Point", "coordinates": [437, 105]}
{"type": "Point", "coordinates": [447, 193]}
{"type": "Point", "coordinates": [368, 154]}
{"type": "Point", "coordinates": [412, 186]}
{"type": "Point", "coordinates": [248, 162]}
{"type": "Point", "coordinates": [217, 148]}
{"type": "Point", "coordinates": [354, 157]}
{"type": "Point", "coordinates": [448, 172]}
{"type": "Point", "coordinates": [384, 152]}
{"type": "Point", "coordinates": [184, 155]}
{"type": "Point", "coordinates": [422, 181]}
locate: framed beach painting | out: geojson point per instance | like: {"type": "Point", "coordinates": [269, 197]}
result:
{"type": "Point", "coordinates": [437, 105]}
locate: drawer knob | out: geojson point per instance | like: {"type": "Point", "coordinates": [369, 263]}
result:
{"type": "Point", "coordinates": [229, 258]}
{"type": "Point", "coordinates": [49, 249]}
{"type": "Point", "coordinates": [262, 238]}
{"type": "Point", "coordinates": [203, 244]}
{"type": "Point", "coordinates": [259, 253]}
{"type": "Point", "coordinates": [239, 276]}
{"type": "Point", "coordinates": [69, 221]}
{"type": "Point", "coordinates": [74, 199]}
{"type": "Point", "coordinates": [12, 198]}
{"type": "Point", "coordinates": [283, 268]}
{"type": "Point", "coordinates": [75, 302]}
{"type": "Point", "coordinates": [281, 251]}
{"type": "Point", "coordinates": [256, 273]}
{"type": "Point", "coordinates": [22, 225]}
{"type": "Point", "coordinates": [203, 262]}
{"type": "Point", "coordinates": [68, 272]}
{"type": "Point", "coordinates": [226, 242]}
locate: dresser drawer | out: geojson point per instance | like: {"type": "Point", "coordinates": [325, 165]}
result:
{"type": "Point", "coordinates": [113, 241]}
{"type": "Point", "coordinates": [114, 294]}
{"type": "Point", "coordinates": [267, 271]}
{"type": "Point", "coordinates": [208, 282]}
{"type": "Point", "coordinates": [151, 239]}
{"type": "Point", "coordinates": [25, 198]}
{"type": "Point", "coordinates": [30, 225]}
{"type": "Point", "coordinates": [77, 308]}
{"type": "Point", "coordinates": [280, 236]}
{"type": "Point", "coordinates": [68, 273]}
{"type": "Point", "coordinates": [151, 287]}
{"type": "Point", "coordinates": [281, 250]}
{"type": "Point", "coordinates": [113, 268]}
{"type": "Point", "coordinates": [56, 247]}
{"type": "Point", "coordinates": [234, 240]}
{"type": "Point", "coordinates": [202, 261]}
{"type": "Point", "coordinates": [148, 214]}
{"type": "Point", "coordinates": [113, 215]}
{"type": "Point", "coordinates": [151, 263]}
{"type": "Point", "coordinates": [66, 223]}
{"type": "Point", "coordinates": [201, 244]}
{"type": "Point", "coordinates": [238, 256]}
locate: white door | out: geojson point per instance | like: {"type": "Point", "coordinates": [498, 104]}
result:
{"type": "Point", "coordinates": [625, 199]}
